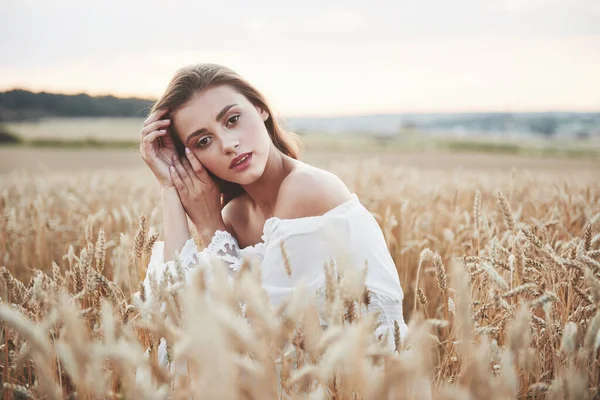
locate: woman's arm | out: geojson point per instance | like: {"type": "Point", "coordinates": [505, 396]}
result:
{"type": "Point", "coordinates": [158, 156]}
{"type": "Point", "coordinates": [192, 195]}
{"type": "Point", "coordinates": [175, 224]}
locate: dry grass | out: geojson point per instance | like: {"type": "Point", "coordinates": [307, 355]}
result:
{"type": "Point", "coordinates": [500, 271]}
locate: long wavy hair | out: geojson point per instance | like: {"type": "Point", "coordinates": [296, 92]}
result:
{"type": "Point", "coordinates": [192, 79]}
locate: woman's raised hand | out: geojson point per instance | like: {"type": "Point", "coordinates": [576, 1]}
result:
{"type": "Point", "coordinates": [158, 153]}
{"type": "Point", "coordinates": [199, 194]}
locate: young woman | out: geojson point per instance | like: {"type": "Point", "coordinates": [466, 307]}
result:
{"type": "Point", "coordinates": [221, 158]}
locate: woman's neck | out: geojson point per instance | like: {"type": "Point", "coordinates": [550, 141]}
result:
{"type": "Point", "coordinates": [264, 190]}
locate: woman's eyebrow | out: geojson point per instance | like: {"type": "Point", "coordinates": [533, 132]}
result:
{"type": "Point", "coordinates": [202, 130]}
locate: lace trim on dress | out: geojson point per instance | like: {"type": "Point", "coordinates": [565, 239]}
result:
{"type": "Point", "coordinates": [220, 241]}
{"type": "Point", "coordinates": [224, 246]}
{"type": "Point", "coordinates": [189, 254]}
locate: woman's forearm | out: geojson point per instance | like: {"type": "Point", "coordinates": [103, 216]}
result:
{"type": "Point", "coordinates": [175, 224]}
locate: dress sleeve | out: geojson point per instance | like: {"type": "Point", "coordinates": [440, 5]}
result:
{"type": "Point", "coordinates": [222, 246]}
{"type": "Point", "coordinates": [295, 253]}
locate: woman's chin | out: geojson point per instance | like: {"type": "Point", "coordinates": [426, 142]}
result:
{"type": "Point", "coordinates": [246, 178]}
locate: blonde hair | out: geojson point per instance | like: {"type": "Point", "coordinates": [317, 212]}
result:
{"type": "Point", "coordinates": [192, 79]}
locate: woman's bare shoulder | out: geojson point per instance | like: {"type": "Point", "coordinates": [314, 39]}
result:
{"type": "Point", "coordinates": [309, 191]}
{"type": "Point", "coordinates": [235, 210]}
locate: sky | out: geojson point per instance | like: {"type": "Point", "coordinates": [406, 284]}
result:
{"type": "Point", "coordinates": [317, 57]}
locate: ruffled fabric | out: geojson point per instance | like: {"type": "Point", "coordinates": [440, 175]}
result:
{"type": "Point", "coordinates": [347, 233]}
{"type": "Point", "coordinates": [293, 253]}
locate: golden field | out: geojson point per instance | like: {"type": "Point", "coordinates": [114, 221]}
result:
{"type": "Point", "coordinates": [498, 256]}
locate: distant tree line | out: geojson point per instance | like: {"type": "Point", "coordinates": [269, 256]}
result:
{"type": "Point", "coordinates": [21, 105]}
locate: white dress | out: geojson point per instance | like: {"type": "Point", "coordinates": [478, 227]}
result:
{"type": "Point", "coordinates": [309, 242]}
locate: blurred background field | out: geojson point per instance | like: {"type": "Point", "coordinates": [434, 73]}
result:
{"type": "Point", "coordinates": [48, 160]}
{"type": "Point", "coordinates": [109, 142]}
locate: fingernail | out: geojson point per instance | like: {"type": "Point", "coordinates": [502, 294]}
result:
{"type": "Point", "coordinates": [172, 169]}
{"type": "Point", "coordinates": [187, 151]}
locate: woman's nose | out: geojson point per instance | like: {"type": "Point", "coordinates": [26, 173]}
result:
{"type": "Point", "coordinates": [230, 144]}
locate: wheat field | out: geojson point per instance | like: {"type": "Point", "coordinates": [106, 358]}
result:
{"type": "Point", "coordinates": [500, 269]}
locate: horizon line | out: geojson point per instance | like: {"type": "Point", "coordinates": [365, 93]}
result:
{"type": "Point", "coordinates": [507, 110]}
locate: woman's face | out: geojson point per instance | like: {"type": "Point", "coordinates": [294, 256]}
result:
{"type": "Point", "coordinates": [220, 126]}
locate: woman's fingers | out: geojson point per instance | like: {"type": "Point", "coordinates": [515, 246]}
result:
{"type": "Point", "coordinates": [153, 135]}
{"type": "Point", "coordinates": [183, 174]}
{"type": "Point", "coordinates": [155, 116]}
{"type": "Point", "coordinates": [196, 177]}
{"type": "Point", "coordinates": [196, 165]}
{"type": "Point", "coordinates": [177, 181]}
{"type": "Point", "coordinates": [147, 142]}
{"type": "Point", "coordinates": [154, 126]}
{"type": "Point", "coordinates": [148, 134]}
{"type": "Point", "coordinates": [188, 168]}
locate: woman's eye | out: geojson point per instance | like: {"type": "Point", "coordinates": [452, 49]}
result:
{"type": "Point", "coordinates": [233, 119]}
{"type": "Point", "coordinates": [203, 142]}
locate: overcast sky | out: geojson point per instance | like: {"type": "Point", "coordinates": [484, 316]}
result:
{"type": "Point", "coordinates": [314, 56]}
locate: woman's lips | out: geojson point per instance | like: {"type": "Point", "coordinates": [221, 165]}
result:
{"type": "Point", "coordinates": [241, 162]}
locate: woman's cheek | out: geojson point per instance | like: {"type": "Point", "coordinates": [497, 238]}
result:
{"type": "Point", "coordinates": [216, 163]}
